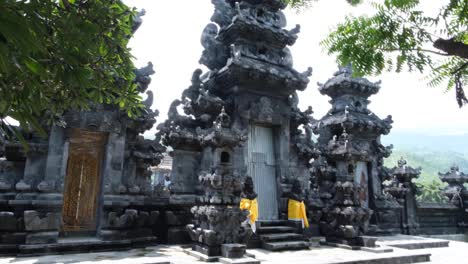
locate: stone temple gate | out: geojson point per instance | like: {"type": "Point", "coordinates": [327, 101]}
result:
{"type": "Point", "coordinates": [240, 119]}
{"type": "Point", "coordinates": [252, 80]}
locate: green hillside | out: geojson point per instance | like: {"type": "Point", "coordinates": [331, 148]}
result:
{"type": "Point", "coordinates": [432, 161]}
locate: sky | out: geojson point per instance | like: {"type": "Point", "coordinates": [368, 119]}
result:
{"type": "Point", "coordinates": [170, 38]}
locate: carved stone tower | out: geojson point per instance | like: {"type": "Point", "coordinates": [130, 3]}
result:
{"type": "Point", "coordinates": [251, 68]}
{"type": "Point", "coordinates": [350, 142]}
{"type": "Point", "coordinates": [241, 117]}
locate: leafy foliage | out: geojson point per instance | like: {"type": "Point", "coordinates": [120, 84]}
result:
{"type": "Point", "coordinates": [401, 37]}
{"type": "Point", "coordinates": [432, 162]}
{"type": "Point", "coordinates": [67, 54]}
{"type": "Point", "coordinates": [431, 192]}
{"type": "Point", "coordinates": [307, 3]}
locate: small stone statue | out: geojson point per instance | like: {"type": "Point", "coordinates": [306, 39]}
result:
{"type": "Point", "coordinates": [248, 191]}
{"type": "Point", "coordinates": [296, 207]}
{"type": "Point", "coordinates": [249, 202]}
{"type": "Point", "coordinates": [296, 191]}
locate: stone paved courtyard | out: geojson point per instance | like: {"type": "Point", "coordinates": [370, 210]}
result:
{"type": "Point", "coordinates": [455, 253]}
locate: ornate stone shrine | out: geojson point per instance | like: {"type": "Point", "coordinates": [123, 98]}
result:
{"type": "Point", "coordinates": [236, 132]}
{"type": "Point", "coordinates": [348, 171]}
{"type": "Point", "coordinates": [404, 175]}
{"type": "Point", "coordinates": [456, 190]}
{"type": "Point", "coordinates": [89, 178]}
{"type": "Point", "coordinates": [240, 119]}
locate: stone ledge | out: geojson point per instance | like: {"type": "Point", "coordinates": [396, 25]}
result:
{"type": "Point", "coordinates": [378, 249]}
{"type": "Point", "coordinates": [245, 260]}
{"type": "Point", "coordinates": [82, 245]}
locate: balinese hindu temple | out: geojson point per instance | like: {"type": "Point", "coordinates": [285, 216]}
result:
{"type": "Point", "coordinates": [235, 133]}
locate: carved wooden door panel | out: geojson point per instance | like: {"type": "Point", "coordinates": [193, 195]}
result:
{"type": "Point", "coordinates": [82, 182]}
{"type": "Point", "coordinates": [361, 179]}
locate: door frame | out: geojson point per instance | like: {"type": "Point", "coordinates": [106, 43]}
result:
{"type": "Point", "coordinates": [275, 129]}
{"type": "Point", "coordinates": [99, 193]}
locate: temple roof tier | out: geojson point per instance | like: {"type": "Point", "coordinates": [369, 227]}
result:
{"type": "Point", "coordinates": [353, 121]}
{"type": "Point", "coordinates": [182, 139]}
{"type": "Point", "coordinates": [222, 137]}
{"type": "Point", "coordinates": [404, 172]}
{"type": "Point", "coordinates": [247, 72]}
{"type": "Point", "coordinates": [346, 151]}
{"type": "Point", "coordinates": [272, 5]}
{"type": "Point", "coordinates": [454, 176]}
{"type": "Point", "coordinates": [344, 83]}
{"type": "Point", "coordinates": [247, 28]}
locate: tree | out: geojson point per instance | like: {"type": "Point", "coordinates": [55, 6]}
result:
{"type": "Point", "coordinates": [59, 55]}
{"type": "Point", "coordinates": [400, 35]}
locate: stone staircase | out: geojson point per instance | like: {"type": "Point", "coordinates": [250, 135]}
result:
{"type": "Point", "coordinates": [277, 235]}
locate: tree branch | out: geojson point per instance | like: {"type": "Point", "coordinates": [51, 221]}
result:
{"type": "Point", "coordinates": [460, 68]}
{"type": "Point", "coordinates": [423, 50]}
{"type": "Point", "coordinates": [452, 47]}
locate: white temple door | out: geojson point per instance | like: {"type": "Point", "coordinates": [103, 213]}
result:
{"type": "Point", "coordinates": [262, 169]}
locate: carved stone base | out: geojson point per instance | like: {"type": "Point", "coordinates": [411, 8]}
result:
{"type": "Point", "coordinates": [42, 238]}
{"type": "Point", "coordinates": [207, 250]}
{"type": "Point", "coordinates": [233, 250]}
{"type": "Point", "coordinates": [361, 241]}
{"type": "Point", "coordinates": [229, 254]}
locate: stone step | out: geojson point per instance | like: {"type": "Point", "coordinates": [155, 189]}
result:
{"type": "Point", "coordinates": [272, 223]}
{"type": "Point", "coordinates": [287, 245]}
{"type": "Point", "coordinates": [276, 229]}
{"type": "Point", "coordinates": [281, 237]}
{"type": "Point", "coordinates": [79, 245]}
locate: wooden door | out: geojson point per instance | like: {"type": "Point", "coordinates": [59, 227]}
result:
{"type": "Point", "coordinates": [262, 169]}
{"type": "Point", "coordinates": [361, 179]}
{"type": "Point", "coordinates": [82, 182]}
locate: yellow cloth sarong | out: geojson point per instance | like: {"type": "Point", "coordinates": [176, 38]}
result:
{"type": "Point", "coordinates": [252, 206]}
{"type": "Point", "coordinates": [296, 211]}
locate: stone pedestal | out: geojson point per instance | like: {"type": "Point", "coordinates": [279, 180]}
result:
{"type": "Point", "coordinates": [233, 250]}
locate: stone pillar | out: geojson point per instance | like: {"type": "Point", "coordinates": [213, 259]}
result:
{"type": "Point", "coordinates": [55, 154]}
{"type": "Point", "coordinates": [33, 172]}
{"type": "Point", "coordinates": [184, 176]}
{"type": "Point", "coordinates": [410, 224]}
{"type": "Point", "coordinates": [54, 161]}
{"type": "Point", "coordinates": [114, 162]}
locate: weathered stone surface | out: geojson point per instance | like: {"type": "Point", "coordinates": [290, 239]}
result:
{"type": "Point", "coordinates": [8, 221]}
{"type": "Point", "coordinates": [46, 186]}
{"type": "Point", "coordinates": [42, 238]}
{"type": "Point", "coordinates": [34, 222]}
{"type": "Point", "coordinates": [177, 235]}
{"type": "Point", "coordinates": [367, 241]}
{"type": "Point", "coordinates": [22, 186]}
{"type": "Point", "coordinates": [131, 218]}
{"type": "Point", "coordinates": [233, 250]}
{"type": "Point", "coordinates": [12, 238]}
{"type": "Point", "coordinates": [178, 218]}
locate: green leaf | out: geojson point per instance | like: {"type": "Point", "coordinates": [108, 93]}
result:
{"type": "Point", "coordinates": [34, 66]}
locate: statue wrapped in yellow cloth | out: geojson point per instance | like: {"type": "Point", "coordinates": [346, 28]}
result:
{"type": "Point", "coordinates": [296, 207]}
{"type": "Point", "coordinates": [249, 202]}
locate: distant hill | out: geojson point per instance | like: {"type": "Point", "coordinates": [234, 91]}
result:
{"type": "Point", "coordinates": [457, 143]}
{"type": "Point", "coordinates": [433, 153]}
{"type": "Point", "coordinates": [431, 161]}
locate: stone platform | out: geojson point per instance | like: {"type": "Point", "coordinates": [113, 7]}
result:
{"type": "Point", "coordinates": [319, 255]}
{"type": "Point", "coordinates": [411, 242]}
{"type": "Point", "coordinates": [76, 245]}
